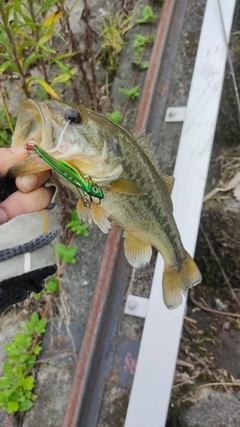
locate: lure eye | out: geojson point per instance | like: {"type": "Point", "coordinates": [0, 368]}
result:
{"type": "Point", "coordinates": [95, 189]}
{"type": "Point", "coordinates": [73, 116]}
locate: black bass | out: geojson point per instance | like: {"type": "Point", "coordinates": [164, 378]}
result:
{"type": "Point", "coordinates": [136, 195]}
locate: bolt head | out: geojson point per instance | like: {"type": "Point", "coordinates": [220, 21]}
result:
{"type": "Point", "coordinates": [132, 305]}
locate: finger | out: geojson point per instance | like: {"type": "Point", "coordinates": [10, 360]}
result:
{"type": "Point", "coordinates": [33, 181]}
{"type": "Point", "coordinates": [22, 203]}
{"type": "Point", "coordinates": [11, 157]}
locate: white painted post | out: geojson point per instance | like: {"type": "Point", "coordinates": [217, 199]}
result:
{"type": "Point", "coordinates": [154, 375]}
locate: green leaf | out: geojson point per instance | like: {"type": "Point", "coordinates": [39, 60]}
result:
{"type": "Point", "coordinates": [148, 16]}
{"type": "Point", "coordinates": [37, 349]}
{"type": "Point", "coordinates": [76, 225]}
{"type": "Point", "coordinates": [44, 39]}
{"type": "Point", "coordinates": [7, 367]}
{"type": "Point", "coordinates": [144, 65]}
{"type": "Point", "coordinates": [27, 383]}
{"type": "Point", "coordinates": [14, 396]}
{"type": "Point", "coordinates": [67, 254]}
{"type": "Point", "coordinates": [60, 79]}
{"type": "Point", "coordinates": [66, 55]}
{"type": "Point", "coordinates": [4, 382]}
{"type": "Point", "coordinates": [132, 93]}
{"type": "Point", "coordinates": [5, 56]}
{"type": "Point", "coordinates": [18, 8]}
{"type": "Point", "coordinates": [46, 6]}
{"type": "Point", "coordinates": [44, 84]}
{"type": "Point", "coordinates": [25, 405]}
{"type": "Point", "coordinates": [31, 59]}
{"type": "Point", "coordinates": [41, 327]}
{"type": "Point", "coordinates": [8, 64]}
{"type": "Point", "coordinates": [63, 67]}
{"type": "Point", "coordinates": [115, 117]}
{"type": "Point", "coordinates": [34, 319]}
{"type": "Point", "coordinates": [12, 407]}
{"type": "Point", "coordinates": [53, 285]}
{"type": "Point", "coordinates": [31, 361]}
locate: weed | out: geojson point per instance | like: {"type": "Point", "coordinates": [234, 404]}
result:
{"type": "Point", "coordinates": [139, 45]}
{"type": "Point", "coordinates": [51, 287]}
{"type": "Point", "coordinates": [132, 93]}
{"type": "Point", "coordinates": [116, 117]}
{"type": "Point", "coordinates": [147, 16]}
{"type": "Point", "coordinates": [113, 33]}
{"type": "Point", "coordinates": [16, 385]}
{"type": "Point", "coordinates": [24, 42]}
{"type": "Point", "coordinates": [76, 225]}
{"type": "Point", "coordinates": [67, 254]}
{"type": "Point", "coordinates": [5, 132]}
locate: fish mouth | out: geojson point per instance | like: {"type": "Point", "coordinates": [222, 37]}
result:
{"type": "Point", "coordinates": [34, 123]}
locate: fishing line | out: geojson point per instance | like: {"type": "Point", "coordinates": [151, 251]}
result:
{"type": "Point", "coordinates": [60, 138]}
{"type": "Point", "coordinates": [230, 63]}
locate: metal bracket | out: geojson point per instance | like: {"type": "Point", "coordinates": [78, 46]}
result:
{"type": "Point", "coordinates": [175, 114]}
{"type": "Point", "coordinates": [136, 306]}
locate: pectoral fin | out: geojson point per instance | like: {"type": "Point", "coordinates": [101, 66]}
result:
{"type": "Point", "coordinates": [29, 166]}
{"type": "Point", "coordinates": [127, 187]}
{"type": "Point", "coordinates": [137, 252]}
{"type": "Point", "coordinates": [95, 213]}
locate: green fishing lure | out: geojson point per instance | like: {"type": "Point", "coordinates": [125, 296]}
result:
{"type": "Point", "coordinates": [69, 172]}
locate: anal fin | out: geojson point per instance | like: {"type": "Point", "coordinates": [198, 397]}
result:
{"type": "Point", "coordinates": [137, 252]}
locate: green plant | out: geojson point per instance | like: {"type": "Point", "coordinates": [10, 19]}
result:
{"type": "Point", "coordinates": [113, 33]}
{"type": "Point", "coordinates": [51, 287]}
{"type": "Point", "coordinates": [139, 44]}
{"type": "Point", "coordinates": [116, 117]}
{"type": "Point", "coordinates": [67, 254]}
{"type": "Point", "coordinates": [25, 33]}
{"type": "Point", "coordinates": [132, 93]}
{"type": "Point", "coordinates": [76, 225]}
{"type": "Point", "coordinates": [17, 384]}
{"type": "Point", "coordinates": [5, 132]}
{"type": "Point", "coordinates": [147, 16]}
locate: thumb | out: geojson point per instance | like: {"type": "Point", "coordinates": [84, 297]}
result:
{"type": "Point", "coordinates": [11, 157]}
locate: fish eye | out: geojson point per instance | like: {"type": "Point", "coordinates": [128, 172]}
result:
{"type": "Point", "coordinates": [73, 116]}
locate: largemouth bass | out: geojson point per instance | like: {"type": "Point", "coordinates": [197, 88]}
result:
{"type": "Point", "coordinates": [136, 195]}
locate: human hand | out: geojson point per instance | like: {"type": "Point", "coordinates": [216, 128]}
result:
{"type": "Point", "coordinates": [30, 196]}
{"type": "Point", "coordinates": [27, 256]}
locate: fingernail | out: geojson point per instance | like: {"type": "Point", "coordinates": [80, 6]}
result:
{"type": "Point", "coordinates": [29, 182]}
{"type": "Point", "coordinates": [3, 216]}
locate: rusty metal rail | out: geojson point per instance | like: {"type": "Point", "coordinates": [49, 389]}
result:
{"type": "Point", "coordinates": [98, 343]}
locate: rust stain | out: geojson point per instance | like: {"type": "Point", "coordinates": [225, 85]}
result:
{"type": "Point", "coordinates": [155, 61]}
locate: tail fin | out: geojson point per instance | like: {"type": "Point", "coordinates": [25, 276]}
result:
{"type": "Point", "coordinates": [178, 282]}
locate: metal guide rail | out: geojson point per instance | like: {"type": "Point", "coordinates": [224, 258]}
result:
{"type": "Point", "coordinates": [162, 330]}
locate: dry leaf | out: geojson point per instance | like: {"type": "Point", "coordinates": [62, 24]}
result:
{"type": "Point", "coordinates": [233, 183]}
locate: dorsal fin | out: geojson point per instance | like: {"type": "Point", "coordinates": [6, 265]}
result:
{"type": "Point", "coordinates": [145, 143]}
{"type": "Point", "coordinates": [169, 181]}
